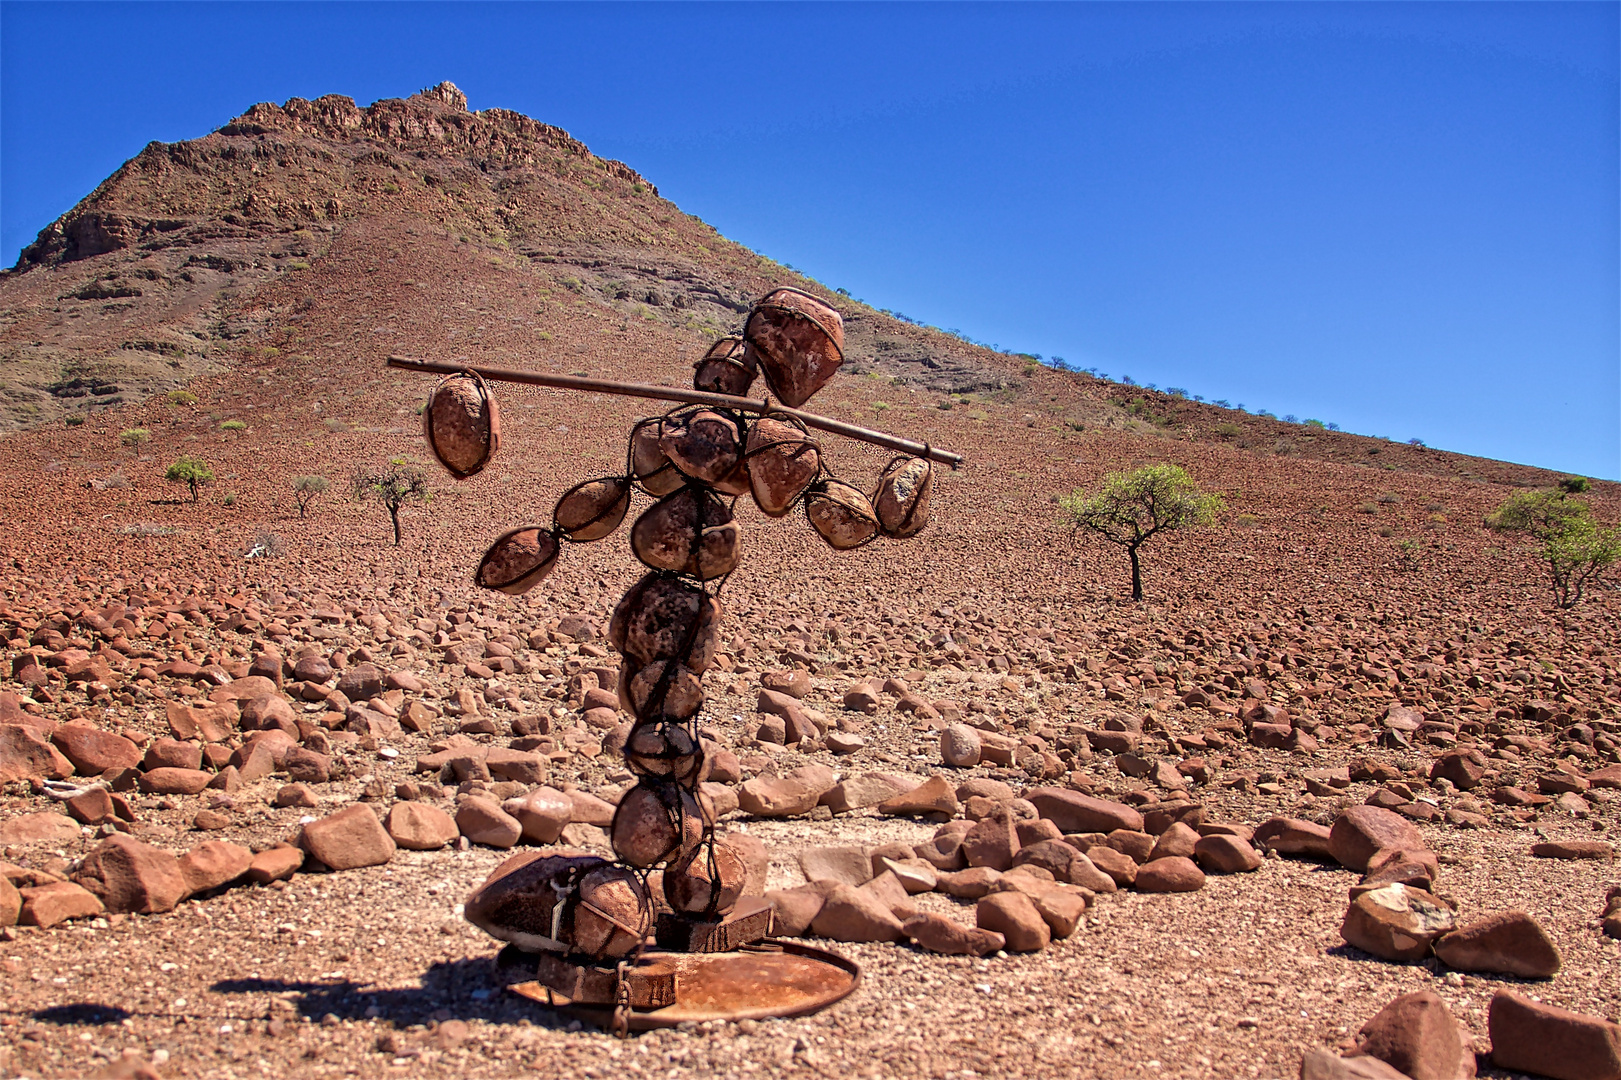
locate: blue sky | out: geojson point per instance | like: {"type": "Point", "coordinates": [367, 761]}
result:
{"type": "Point", "coordinates": [1402, 218]}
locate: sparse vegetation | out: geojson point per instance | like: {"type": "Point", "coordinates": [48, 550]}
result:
{"type": "Point", "coordinates": [1134, 507]}
{"type": "Point", "coordinates": [181, 397]}
{"type": "Point", "coordinates": [74, 421]}
{"type": "Point", "coordinates": [395, 484]}
{"type": "Point", "coordinates": [306, 489]}
{"type": "Point", "coordinates": [1367, 508]}
{"type": "Point", "coordinates": [194, 472]}
{"type": "Point", "coordinates": [233, 425]}
{"type": "Point", "coordinates": [1576, 547]}
{"type": "Point", "coordinates": [132, 438]}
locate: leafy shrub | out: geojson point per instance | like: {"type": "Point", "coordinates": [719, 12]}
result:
{"type": "Point", "coordinates": [74, 421]}
{"type": "Point", "coordinates": [1228, 430]}
{"type": "Point", "coordinates": [194, 472]}
{"type": "Point", "coordinates": [1575, 547]}
{"type": "Point", "coordinates": [134, 437]}
{"type": "Point", "coordinates": [181, 397]}
{"type": "Point", "coordinates": [1367, 508]}
{"type": "Point", "coordinates": [395, 484]}
{"type": "Point", "coordinates": [233, 425]}
{"type": "Point", "coordinates": [1575, 485]}
{"type": "Point", "coordinates": [306, 489]}
{"type": "Point", "coordinates": [1318, 424]}
{"type": "Point", "coordinates": [1390, 498]}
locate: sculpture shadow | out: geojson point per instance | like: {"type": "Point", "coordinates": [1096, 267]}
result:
{"type": "Point", "coordinates": [81, 1014]}
{"type": "Point", "coordinates": [472, 988]}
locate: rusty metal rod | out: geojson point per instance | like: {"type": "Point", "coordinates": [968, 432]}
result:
{"type": "Point", "coordinates": [689, 397]}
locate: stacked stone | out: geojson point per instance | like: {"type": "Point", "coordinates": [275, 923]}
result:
{"type": "Point", "coordinates": [692, 461]}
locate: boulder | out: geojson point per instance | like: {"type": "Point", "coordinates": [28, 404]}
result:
{"type": "Point", "coordinates": [1417, 1035]}
{"type": "Point", "coordinates": [275, 864]}
{"type": "Point", "coordinates": [848, 914]}
{"type": "Point", "coordinates": [959, 748]}
{"type": "Point", "coordinates": [1226, 855]}
{"type": "Point", "coordinates": [1174, 873]}
{"type": "Point", "coordinates": [1014, 916]}
{"type": "Point", "coordinates": [130, 876]}
{"type": "Point", "coordinates": [483, 821]}
{"type": "Point", "coordinates": [543, 814]}
{"type": "Point", "coordinates": [1074, 812]}
{"type": "Point", "coordinates": [213, 863]}
{"type": "Point", "coordinates": [1507, 943]}
{"type": "Point", "coordinates": [349, 839]}
{"type": "Point", "coordinates": [59, 901]}
{"type": "Point", "coordinates": [416, 826]}
{"type": "Point", "coordinates": [848, 865]}
{"type": "Point", "coordinates": [1529, 1036]}
{"type": "Point", "coordinates": [25, 754]}
{"type": "Point", "coordinates": [937, 933]}
{"type": "Point", "coordinates": [1395, 922]}
{"type": "Point", "coordinates": [11, 902]}
{"type": "Point", "coordinates": [93, 751]}
{"type": "Point", "coordinates": [866, 789]}
{"type": "Point", "coordinates": [992, 842]}
{"type": "Point", "coordinates": [174, 781]}
{"type": "Point", "coordinates": [796, 909]}
{"type": "Point", "coordinates": [1361, 831]}
{"type": "Point", "coordinates": [1322, 1065]}
{"type": "Point", "coordinates": [933, 796]}
{"type": "Point", "coordinates": [41, 828]}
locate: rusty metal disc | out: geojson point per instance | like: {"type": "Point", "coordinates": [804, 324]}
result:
{"type": "Point", "coordinates": [771, 979]}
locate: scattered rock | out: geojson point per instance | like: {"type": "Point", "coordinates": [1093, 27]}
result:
{"type": "Point", "coordinates": [416, 826]}
{"type": "Point", "coordinates": [1507, 943]}
{"type": "Point", "coordinates": [348, 839]}
{"type": "Point", "coordinates": [1172, 874]}
{"type": "Point", "coordinates": [1417, 1035]}
{"type": "Point", "coordinates": [128, 875]}
{"type": "Point", "coordinates": [213, 863]}
{"type": "Point", "coordinates": [42, 828]}
{"type": "Point", "coordinates": [1395, 922]}
{"type": "Point", "coordinates": [1322, 1065]}
{"type": "Point", "coordinates": [484, 822]}
{"type": "Point", "coordinates": [57, 902]}
{"type": "Point", "coordinates": [1529, 1036]}
{"type": "Point", "coordinates": [1014, 916]}
{"type": "Point", "coordinates": [1573, 849]}
{"type": "Point", "coordinates": [848, 914]}
{"type": "Point", "coordinates": [937, 933]}
{"type": "Point", "coordinates": [847, 865]}
{"type": "Point", "coordinates": [1361, 831]}
{"type": "Point", "coordinates": [1074, 812]}
{"type": "Point", "coordinates": [933, 796]}
{"type": "Point", "coordinates": [959, 747]}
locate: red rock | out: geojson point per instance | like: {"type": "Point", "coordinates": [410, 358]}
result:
{"type": "Point", "coordinates": [1395, 922]}
{"type": "Point", "coordinates": [1066, 864]}
{"type": "Point", "coordinates": [1120, 867]}
{"type": "Point", "coordinates": [937, 933]}
{"type": "Point", "coordinates": [296, 795]}
{"type": "Point", "coordinates": [1294, 836]}
{"type": "Point", "coordinates": [128, 875]}
{"type": "Point", "coordinates": [933, 796]}
{"type": "Point", "coordinates": [348, 839]}
{"type": "Point", "coordinates": [587, 809]}
{"type": "Point", "coordinates": [515, 765]}
{"type": "Point", "coordinates": [172, 754]}
{"type": "Point", "coordinates": [1363, 830]}
{"type": "Point", "coordinates": [1226, 855]}
{"type": "Point", "coordinates": [848, 865]}
{"type": "Point", "coordinates": [959, 747]}
{"type": "Point", "coordinates": [11, 902]}
{"type": "Point", "coordinates": [1464, 768]}
{"type": "Point", "coordinates": [1507, 943]}
{"type": "Point", "coordinates": [214, 722]}
{"type": "Point", "coordinates": [1528, 1036]}
{"type": "Point", "coordinates": [312, 669]}
{"type": "Point", "coordinates": [848, 914]}
{"type": "Point", "coordinates": [1417, 1035]}
{"type": "Point", "coordinates": [796, 909]}
{"type": "Point", "coordinates": [777, 796]}
{"type": "Point", "coordinates": [1014, 916]}
{"type": "Point", "coordinates": [174, 781]}
{"type": "Point", "coordinates": [213, 863]}
{"type": "Point", "coordinates": [543, 814]}
{"type": "Point", "coordinates": [275, 864]}
{"type": "Point", "coordinates": [59, 901]}
{"type": "Point", "coordinates": [25, 754]}
{"type": "Point", "coordinates": [1573, 849]}
{"type": "Point", "coordinates": [992, 842]}
{"type": "Point", "coordinates": [306, 766]}
{"type": "Point", "coordinates": [417, 826]}
{"type": "Point", "coordinates": [1177, 841]}
{"type": "Point", "coordinates": [247, 688]}
{"type": "Point", "coordinates": [1134, 844]}
{"type": "Point", "coordinates": [272, 712]}
{"type": "Point", "coordinates": [41, 828]}
{"type": "Point", "coordinates": [361, 682]}
{"type": "Point", "coordinates": [969, 884]}
{"type": "Point", "coordinates": [484, 822]}
{"type": "Point", "coordinates": [1172, 874]}
{"type": "Point", "coordinates": [1322, 1065]}
{"type": "Point", "coordinates": [1074, 812]}
{"type": "Point", "coordinates": [94, 751]}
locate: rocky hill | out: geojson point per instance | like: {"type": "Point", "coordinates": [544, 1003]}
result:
{"type": "Point", "coordinates": [1345, 635]}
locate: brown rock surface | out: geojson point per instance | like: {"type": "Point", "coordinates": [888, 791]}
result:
{"type": "Point", "coordinates": [1529, 1036]}
{"type": "Point", "coordinates": [348, 839]}
{"type": "Point", "coordinates": [129, 876]}
{"type": "Point", "coordinates": [1395, 922]}
{"type": "Point", "coordinates": [1417, 1035]}
{"type": "Point", "coordinates": [1361, 831]}
{"type": "Point", "coordinates": [1508, 943]}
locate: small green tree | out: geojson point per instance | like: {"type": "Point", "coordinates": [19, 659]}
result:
{"type": "Point", "coordinates": [134, 437]}
{"type": "Point", "coordinates": [1136, 506]}
{"type": "Point", "coordinates": [192, 471]}
{"type": "Point", "coordinates": [305, 489]}
{"type": "Point", "coordinates": [393, 485]}
{"type": "Point", "coordinates": [1575, 547]}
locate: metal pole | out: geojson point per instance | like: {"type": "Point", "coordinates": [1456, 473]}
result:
{"type": "Point", "coordinates": [690, 397]}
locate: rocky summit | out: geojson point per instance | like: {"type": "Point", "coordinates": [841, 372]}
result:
{"type": "Point", "coordinates": [1337, 799]}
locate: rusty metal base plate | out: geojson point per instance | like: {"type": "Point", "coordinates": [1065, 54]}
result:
{"type": "Point", "coordinates": [745, 924]}
{"type": "Point", "coordinates": [772, 979]}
